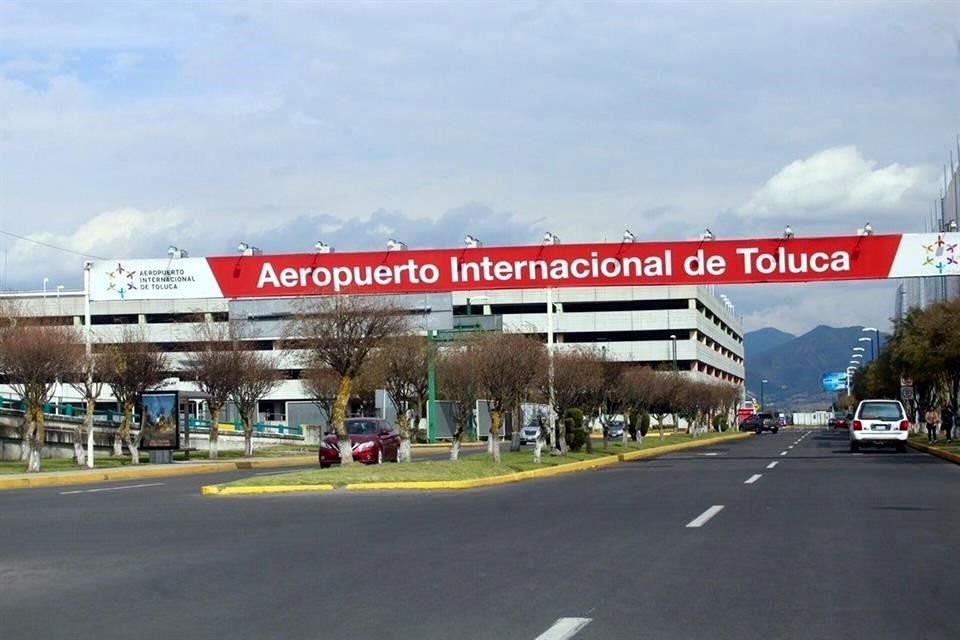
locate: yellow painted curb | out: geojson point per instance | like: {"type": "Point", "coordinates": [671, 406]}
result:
{"type": "Point", "coordinates": [435, 485]}
{"type": "Point", "coordinates": [935, 451]}
{"type": "Point", "coordinates": [236, 491]}
{"type": "Point", "coordinates": [135, 472]}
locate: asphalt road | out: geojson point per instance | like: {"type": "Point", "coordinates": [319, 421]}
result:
{"type": "Point", "coordinates": [826, 544]}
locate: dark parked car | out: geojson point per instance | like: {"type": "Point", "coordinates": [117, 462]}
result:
{"type": "Point", "coordinates": [760, 422]}
{"type": "Point", "coordinates": [373, 441]}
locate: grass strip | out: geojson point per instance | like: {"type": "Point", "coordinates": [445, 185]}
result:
{"type": "Point", "coordinates": [467, 468]}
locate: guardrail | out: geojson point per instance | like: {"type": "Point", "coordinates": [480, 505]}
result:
{"type": "Point", "coordinates": [203, 426]}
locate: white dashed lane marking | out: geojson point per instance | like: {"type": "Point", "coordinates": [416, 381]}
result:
{"type": "Point", "coordinates": [129, 486]}
{"type": "Point", "coordinates": [564, 628]}
{"type": "Point", "coordinates": [704, 517]}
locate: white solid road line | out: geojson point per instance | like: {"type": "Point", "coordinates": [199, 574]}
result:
{"type": "Point", "coordinates": [753, 478]}
{"type": "Point", "coordinates": [704, 517]}
{"type": "Point", "coordinates": [772, 465]}
{"type": "Point", "coordinates": [564, 628]}
{"type": "Point", "coordinates": [129, 486]}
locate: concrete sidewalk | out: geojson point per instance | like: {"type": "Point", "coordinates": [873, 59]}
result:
{"type": "Point", "coordinates": [146, 471]}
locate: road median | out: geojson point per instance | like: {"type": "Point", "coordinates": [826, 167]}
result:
{"type": "Point", "coordinates": [940, 452]}
{"type": "Point", "coordinates": [489, 475]}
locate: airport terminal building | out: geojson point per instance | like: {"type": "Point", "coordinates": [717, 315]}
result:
{"type": "Point", "coordinates": [686, 326]}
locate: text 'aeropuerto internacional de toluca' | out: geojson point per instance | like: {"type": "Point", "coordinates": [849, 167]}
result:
{"type": "Point", "coordinates": [862, 257]}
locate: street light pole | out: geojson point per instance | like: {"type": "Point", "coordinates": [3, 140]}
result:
{"type": "Point", "coordinates": [673, 341]}
{"type": "Point", "coordinates": [88, 349]}
{"type": "Point", "coordinates": [762, 383]}
{"type": "Point", "coordinates": [552, 419]}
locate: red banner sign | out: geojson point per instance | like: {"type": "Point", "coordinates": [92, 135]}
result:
{"type": "Point", "coordinates": [532, 267]}
{"type": "Point", "coordinates": [580, 265]}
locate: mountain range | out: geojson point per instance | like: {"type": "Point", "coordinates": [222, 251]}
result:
{"type": "Point", "coordinates": [792, 365]}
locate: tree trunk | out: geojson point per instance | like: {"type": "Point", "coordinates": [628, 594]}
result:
{"type": "Point", "coordinates": [78, 446]}
{"type": "Point", "coordinates": [495, 419]}
{"type": "Point", "coordinates": [538, 446]}
{"type": "Point", "coordinates": [29, 448]}
{"type": "Point", "coordinates": [247, 420]}
{"type": "Point", "coordinates": [562, 438]}
{"type": "Point", "coordinates": [626, 431]}
{"type": "Point", "coordinates": [90, 444]}
{"type": "Point", "coordinates": [214, 432]}
{"type": "Point", "coordinates": [457, 437]}
{"type": "Point", "coordinates": [403, 422]}
{"type": "Point", "coordinates": [33, 457]}
{"type": "Point", "coordinates": [338, 417]}
{"type": "Point", "coordinates": [515, 432]}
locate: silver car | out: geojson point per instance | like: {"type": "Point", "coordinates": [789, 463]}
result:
{"type": "Point", "coordinates": [528, 435]}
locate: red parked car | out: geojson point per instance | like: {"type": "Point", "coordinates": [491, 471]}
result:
{"type": "Point", "coordinates": [373, 441]}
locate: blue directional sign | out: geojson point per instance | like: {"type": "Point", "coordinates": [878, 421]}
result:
{"type": "Point", "coordinates": [834, 381]}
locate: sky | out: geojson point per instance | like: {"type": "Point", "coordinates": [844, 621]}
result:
{"type": "Point", "coordinates": [126, 127]}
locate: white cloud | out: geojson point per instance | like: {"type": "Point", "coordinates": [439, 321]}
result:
{"type": "Point", "coordinates": [840, 181]}
{"type": "Point", "coordinates": [112, 234]}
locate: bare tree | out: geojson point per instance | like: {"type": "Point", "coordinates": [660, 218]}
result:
{"type": "Point", "coordinates": [578, 379]}
{"type": "Point", "coordinates": [215, 367]}
{"type": "Point", "coordinates": [131, 368]}
{"type": "Point", "coordinates": [457, 382]}
{"type": "Point", "coordinates": [507, 366]}
{"type": "Point", "coordinates": [34, 358]}
{"type": "Point", "coordinates": [85, 378]}
{"type": "Point", "coordinates": [257, 376]}
{"type": "Point", "coordinates": [663, 396]}
{"type": "Point", "coordinates": [340, 332]}
{"type": "Point", "coordinates": [638, 387]}
{"type": "Point", "coordinates": [321, 384]}
{"type": "Point", "coordinates": [402, 364]}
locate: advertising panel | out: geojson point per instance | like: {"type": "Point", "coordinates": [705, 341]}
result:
{"type": "Point", "coordinates": [740, 261]}
{"type": "Point", "coordinates": [161, 424]}
{"type": "Point", "coordinates": [834, 381]}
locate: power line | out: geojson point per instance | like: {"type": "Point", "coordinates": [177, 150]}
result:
{"type": "Point", "coordinates": [50, 246]}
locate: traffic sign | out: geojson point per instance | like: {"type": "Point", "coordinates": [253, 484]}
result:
{"type": "Point", "coordinates": [906, 393]}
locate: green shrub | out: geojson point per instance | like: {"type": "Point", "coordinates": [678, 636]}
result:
{"type": "Point", "coordinates": [576, 435]}
{"type": "Point", "coordinates": [576, 415]}
{"type": "Point", "coordinates": [720, 423]}
{"type": "Point", "coordinates": [644, 423]}
{"type": "Point", "coordinates": [633, 418]}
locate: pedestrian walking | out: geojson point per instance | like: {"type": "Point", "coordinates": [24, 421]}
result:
{"type": "Point", "coordinates": [931, 419]}
{"type": "Point", "coordinates": [948, 420]}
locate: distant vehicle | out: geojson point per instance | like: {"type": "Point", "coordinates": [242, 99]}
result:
{"type": "Point", "coordinates": [528, 435]}
{"type": "Point", "coordinates": [879, 423]}
{"type": "Point", "coordinates": [842, 422]}
{"type": "Point", "coordinates": [760, 422]}
{"type": "Point", "coordinates": [615, 429]}
{"type": "Point", "coordinates": [373, 441]}
{"type": "Point", "coordinates": [832, 422]}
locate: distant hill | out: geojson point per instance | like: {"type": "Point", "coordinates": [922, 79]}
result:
{"type": "Point", "coordinates": [793, 367]}
{"type": "Point", "coordinates": [762, 340]}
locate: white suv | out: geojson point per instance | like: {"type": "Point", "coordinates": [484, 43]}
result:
{"type": "Point", "coordinates": [879, 422]}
